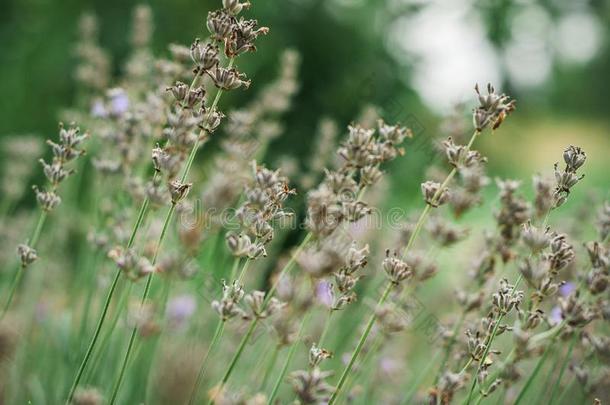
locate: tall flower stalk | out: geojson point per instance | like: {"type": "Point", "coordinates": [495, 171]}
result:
{"type": "Point", "coordinates": [338, 200]}
{"type": "Point", "coordinates": [189, 114]}
{"type": "Point", "coordinates": [64, 152]}
{"type": "Point", "coordinates": [492, 111]}
{"type": "Point", "coordinates": [237, 37]}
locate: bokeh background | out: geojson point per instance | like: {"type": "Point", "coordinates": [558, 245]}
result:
{"type": "Point", "coordinates": [415, 60]}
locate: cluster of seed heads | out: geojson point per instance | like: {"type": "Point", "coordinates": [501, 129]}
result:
{"type": "Point", "coordinates": [310, 385]}
{"type": "Point", "coordinates": [133, 265]}
{"type": "Point", "coordinates": [337, 200]}
{"type": "Point", "coordinates": [264, 200]}
{"type": "Point", "coordinates": [342, 292]}
{"type": "Point", "coordinates": [574, 157]}
{"type": "Point", "coordinates": [492, 110]}
{"type": "Point", "coordinates": [144, 111]}
{"type": "Point", "coordinates": [65, 151]}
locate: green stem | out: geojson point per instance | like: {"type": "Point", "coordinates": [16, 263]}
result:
{"type": "Point", "coordinates": [489, 342]}
{"type": "Point", "coordinates": [234, 269]}
{"type": "Point", "coordinates": [100, 322]}
{"type": "Point", "coordinates": [326, 327]}
{"type": "Point", "coordinates": [243, 271]}
{"type": "Point", "coordinates": [88, 301]}
{"type": "Point", "coordinates": [170, 213]}
{"type": "Point", "coordinates": [254, 322]}
{"type": "Point", "coordinates": [368, 356]}
{"type": "Point", "coordinates": [38, 230]}
{"type": "Point", "coordinates": [236, 356]}
{"type": "Point", "coordinates": [450, 345]}
{"type": "Point", "coordinates": [361, 342]}
{"type": "Point", "coordinates": [33, 241]}
{"type": "Point", "coordinates": [156, 341]}
{"type": "Point", "coordinates": [418, 227]}
{"type": "Point", "coordinates": [567, 389]}
{"type": "Point", "coordinates": [202, 368]}
{"type": "Point", "coordinates": [563, 369]}
{"type": "Point", "coordinates": [419, 379]}
{"type": "Point", "coordinates": [13, 288]}
{"type": "Point", "coordinates": [149, 280]}
{"type": "Point", "coordinates": [293, 347]}
{"type": "Point", "coordinates": [270, 367]}
{"type": "Point", "coordinates": [534, 373]}
{"type": "Point", "coordinates": [101, 348]}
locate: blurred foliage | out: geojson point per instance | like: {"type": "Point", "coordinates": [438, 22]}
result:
{"type": "Point", "coordinates": [346, 62]}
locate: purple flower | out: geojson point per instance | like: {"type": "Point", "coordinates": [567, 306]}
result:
{"type": "Point", "coordinates": [324, 293]}
{"type": "Point", "coordinates": [567, 289]}
{"type": "Point", "coordinates": [180, 309]}
{"type": "Point", "coordinates": [555, 316]}
{"type": "Point", "coordinates": [119, 101]}
{"type": "Point", "coordinates": [98, 109]}
{"type": "Point", "coordinates": [389, 366]}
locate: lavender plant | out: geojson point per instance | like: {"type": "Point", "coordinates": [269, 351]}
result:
{"type": "Point", "coordinates": [199, 292]}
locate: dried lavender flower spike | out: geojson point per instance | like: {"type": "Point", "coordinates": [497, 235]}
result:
{"type": "Point", "coordinates": [492, 110]}
{"type": "Point", "coordinates": [26, 254]}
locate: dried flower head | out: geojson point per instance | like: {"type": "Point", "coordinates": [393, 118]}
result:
{"type": "Point", "coordinates": [310, 385]}
{"type": "Point", "coordinates": [492, 110]}
{"type": "Point", "coordinates": [259, 307]}
{"type": "Point", "coordinates": [317, 355]}
{"type": "Point", "coordinates": [131, 263]}
{"type": "Point", "coordinates": [574, 157]}
{"type": "Point", "coordinates": [396, 269]}
{"type": "Point", "coordinates": [506, 298]}
{"type": "Point", "coordinates": [27, 255]}
{"type": "Point", "coordinates": [433, 194]}
{"type": "Point", "coordinates": [178, 190]}
{"type": "Point", "coordinates": [228, 306]}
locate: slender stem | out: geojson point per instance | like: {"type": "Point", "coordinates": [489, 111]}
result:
{"type": "Point", "coordinates": [156, 341]}
{"type": "Point", "coordinates": [170, 213]}
{"type": "Point", "coordinates": [236, 356]}
{"type": "Point", "coordinates": [13, 288]}
{"type": "Point", "coordinates": [489, 342]}
{"type": "Point", "coordinates": [33, 241]}
{"type": "Point", "coordinates": [326, 327]}
{"type": "Point", "coordinates": [412, 238]}
{"type": "Point", "coordinates": [468, 363]}
{"type": "Point", "coordinates": [363, 366]}
{"type": "Point", "coordinates": [88, 302]}
{"type": "Point", "coordinates": [101, 347]}
{"type": "Point", "coordinates": [202, 368]}
{"type": "Point", "coordinates": [293, 347]}
{"type": "Point", "coordinates": [482, 359]}
{"type": "Point", "coordinates": [562, 369]}
{"type": "Point", "coordinates": [254, 322]}
{"type": "Point", "coordinates": [450, 345]}
{"type": "Point", "coordinates": [494, 375]}
{"type": "Point", "coordinates": [534, 373]}
{"type": "Point", "coordinates": [288, 266]}
{"type": "Point", "coordinates": [270, 367]}
{"type": "Point", "coordinates": [100, 322]}
{"type": "Point", "coordinates": [37, 231]}
{"type": "Point", "coordinates": [567, 389]}
{"type": "Point", "coordinates": [243, 271]}
{"type": "Point", "coordinates": [418, 228]}
{"type": "Point", "coordinates": [234, 269]}
{"type": "Point", "coordinates": [361, 342]}
{"type": "Point", "coordinates": [419, 379]}
{"type": "Point", "coordinates": [149, 280]}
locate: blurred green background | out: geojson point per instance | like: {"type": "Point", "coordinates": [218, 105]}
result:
{"type": "Point", "coordinates": [413, 59]}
